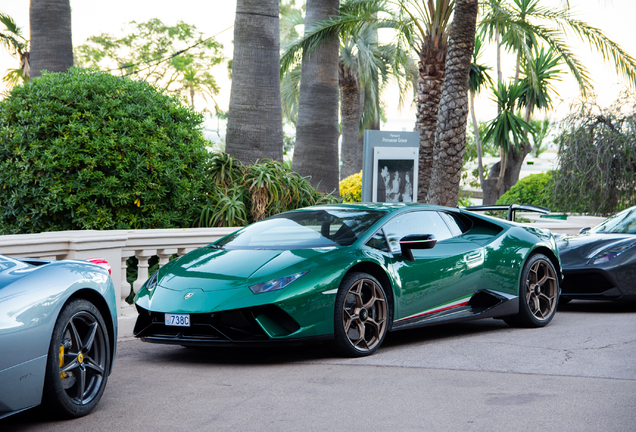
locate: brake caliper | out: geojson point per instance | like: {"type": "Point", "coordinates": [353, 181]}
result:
{"type": "Point", "coordinates": [63, 374]}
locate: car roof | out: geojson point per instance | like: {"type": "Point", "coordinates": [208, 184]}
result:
{"type": "Point", "coordinates": [373, 206]}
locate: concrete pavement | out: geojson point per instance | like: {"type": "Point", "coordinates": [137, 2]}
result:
{"type": "Point", "coordinates": [577, 374]}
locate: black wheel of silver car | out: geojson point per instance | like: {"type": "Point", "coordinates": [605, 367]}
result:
{"type": "Point", "coordinates": [361, 317]}
{"type": "Point", "coordinates": [78, 361]}
{"type": "Point", "coordinates": [538, 293]}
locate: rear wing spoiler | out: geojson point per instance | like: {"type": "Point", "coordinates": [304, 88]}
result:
{"type": "Point", "coordinates": [512, 208]}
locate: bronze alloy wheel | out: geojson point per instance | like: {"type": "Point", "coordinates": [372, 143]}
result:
{"type": "Point", "coordinates": [364, 315]}
{"type": "Point", "coordinates": [541, 291]}
{"type": "Point", "coordinates": [538, 293]}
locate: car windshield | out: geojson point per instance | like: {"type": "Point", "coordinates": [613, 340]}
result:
{"type": "Point", "coordinates": [621, 223]}
{"type": "Point", "coordinates": [303, 230]}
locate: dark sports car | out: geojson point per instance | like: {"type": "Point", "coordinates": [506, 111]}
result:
{"type": "Point", "coordinates": [350, 273]}
{"type": "Point", "coordinates": [58, 327]}
{"type": "Point", "coordinates": [600, 263]}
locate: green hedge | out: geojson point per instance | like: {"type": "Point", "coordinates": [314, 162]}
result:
{"type": "Point", "coordinates": [535, 189]}
{"type": "Point", "coordinates": [88, 150]}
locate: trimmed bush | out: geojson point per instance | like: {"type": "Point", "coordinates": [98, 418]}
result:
{"type": "Point", "coordinates": [351, 188]}
{"type": "Point", "coordinates": [535, 189]}
{"type": "Point", "coordinates": [88, 150]}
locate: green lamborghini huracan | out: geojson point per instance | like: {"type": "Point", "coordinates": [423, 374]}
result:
{"type": "Point", "coordinates": [350, 273]}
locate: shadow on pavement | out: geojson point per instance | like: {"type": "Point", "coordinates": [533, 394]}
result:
{"type": "Point", "coordinates": [597, 306]}
{"type": "Point", "coordinates": [302, 353]}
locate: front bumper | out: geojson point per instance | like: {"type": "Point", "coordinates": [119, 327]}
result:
{"type": "Point", "coordinates": [595, 284]}
{"type": "Point", "coordinates": [262, 325]}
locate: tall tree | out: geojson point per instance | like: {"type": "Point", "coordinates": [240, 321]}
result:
{"type": "Point", "coordinates": [255, 119]}
{"type": "Point", "coordinates": [177, 58]}
{"type": "Point", "coordinates": [316, 149]}
{"type": "Point", "coordinates": [51, 37]}
{"type": "Point", "coordinates": [365, 68]}
{"type": "Point", "coordinates": [421, 25]}
{"type": "Point", "coordinates": [450, 135]}
{"type": "Point", "coordinates": [524, 25]}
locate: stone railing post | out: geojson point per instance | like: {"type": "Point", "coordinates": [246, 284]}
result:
{"type": "Point", "coordinates": [165, 254]}
{"type": "Point", "coordinates": [125, 286]}
{"type": "Point", "coordinates": [142, 267]}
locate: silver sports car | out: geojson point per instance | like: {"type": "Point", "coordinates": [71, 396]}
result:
{"type": "Point", "coordinates": [58, 328]}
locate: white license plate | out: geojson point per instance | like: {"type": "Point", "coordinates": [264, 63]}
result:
{"type": "Point", "coordinates": [178, 320]}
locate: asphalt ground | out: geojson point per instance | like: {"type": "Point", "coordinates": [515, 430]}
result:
{"type": "Point", "coordinates": [577, 374]}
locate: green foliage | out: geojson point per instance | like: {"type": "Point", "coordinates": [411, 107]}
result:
{"type": "Point", "coordinates": [597, 158]}
{"type": "Point", "coordinates": [351, 188]}
{"type": "Point", "coordinates": [541, 129]}
{"type": "Point", "coordinates": [507, 128]}
{"type": "Point", "coordinates": [88, 150]}
{"type": "Point", "coordinates": [535, 189]}
{"type": "Point", "coordinates": [177, 58]}
{"type": "Point", "coordinates": [239, 194]}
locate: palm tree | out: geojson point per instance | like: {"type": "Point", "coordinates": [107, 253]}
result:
{"type": "Point", "coordinates": [316, 149]}
{"type": "Point", "coordinates": [11, 38]}
{"type": "Point", "coordinates": [365, 68]}
{"type": "Point", "coordinates": [423, 27]}
{"type": "Point", "coordinates": [523, 26]}
{"type": "Point", "coordinates": [450, 134]}
{"type": "Point", "coordinates": [51, 41]}
{"type": "Point", "coordinates": [255, 122]}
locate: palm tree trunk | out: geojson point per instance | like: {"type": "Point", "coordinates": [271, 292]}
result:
{"type": "Point", "coordinates": [316, 149]}
{"type": "Point", "coordinates": [450, 136]}
{"type": "Point", "coordinates": [255, 119]}
{"type": "Point", "coordinates": [51, 38]}
{"type": "Point", "coordinates": [350, 113]}
{"type": "Point", "coordinates": [429, 92]}
{"type": "Point", "coordinates": [480, 164]}
{"type": "Point", "coordinates": [360, 152]}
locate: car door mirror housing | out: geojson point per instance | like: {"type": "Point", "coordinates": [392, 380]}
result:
{"type": "Point", "coordinates": [584, 230]}
{"type": "Point", "coordinates": [416, 241]}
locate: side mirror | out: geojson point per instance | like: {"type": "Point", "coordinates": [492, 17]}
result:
{"type": "Point", "coordinates": [584, 230]}
{"type": "Point", "coordinates": [416, 241]}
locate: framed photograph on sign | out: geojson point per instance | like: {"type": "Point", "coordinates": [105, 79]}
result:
{"type": "Point", "coordinates": [395, 174]}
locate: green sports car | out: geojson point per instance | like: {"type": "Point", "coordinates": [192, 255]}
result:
{"type": "Point", "coordinates": [350, 273]}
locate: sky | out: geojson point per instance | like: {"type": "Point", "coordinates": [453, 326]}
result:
{"type": "Point", "coordinates": [216, 18]}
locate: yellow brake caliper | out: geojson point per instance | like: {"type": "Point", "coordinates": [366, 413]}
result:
{"type": "Point", "coordinates": [63, 374]}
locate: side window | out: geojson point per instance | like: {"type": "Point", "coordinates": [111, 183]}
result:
{"type": "Point", "coordinates": [452, 223]}
{"type": "Point", "coordinates": [419, 222]}
{"type": "Point", "coordinates": [378, 242]}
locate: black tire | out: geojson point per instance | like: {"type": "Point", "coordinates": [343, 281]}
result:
{"type": "Point", "coordinates": [362, 315]}
{"type": "Point", "coordinates": [80, 343]}
{"type": "Point", "coordinates": [538, 293]}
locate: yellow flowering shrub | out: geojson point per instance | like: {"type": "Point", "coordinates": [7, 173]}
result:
{"type": "Point", "coordinates": [351, 188]}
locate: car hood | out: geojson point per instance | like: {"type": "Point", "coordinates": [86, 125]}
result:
{"type": "Point", "coordinates": [578, 249]}
{"type": "Point", "coordinates": [216, 270]}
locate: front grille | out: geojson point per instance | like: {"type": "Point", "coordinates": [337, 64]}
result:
{"type": "Point", "coordinates": [228, 326]}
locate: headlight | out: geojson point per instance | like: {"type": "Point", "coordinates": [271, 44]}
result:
{"type": "Point", "coordinates": [610, 253]}
{"type": "Point", "coordinates": [275, 284]}
{"type": "Point", "coordinates": [152, 281]}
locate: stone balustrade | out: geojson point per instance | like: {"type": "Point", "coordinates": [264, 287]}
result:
{"type": "Point", "coordinates": [114, 246]}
